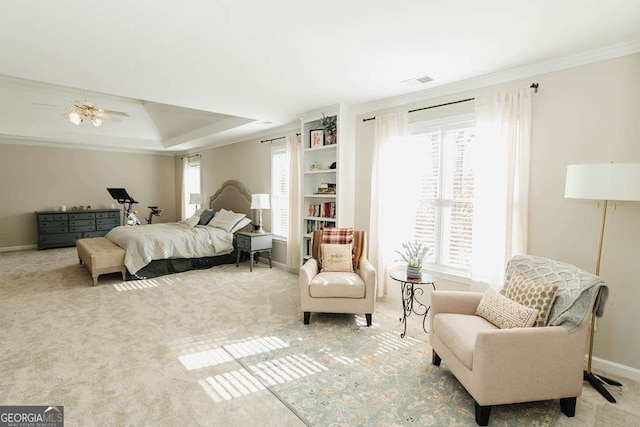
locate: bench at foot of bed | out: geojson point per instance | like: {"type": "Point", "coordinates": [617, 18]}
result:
{"type": "Point", "coordinates": [101, 256]}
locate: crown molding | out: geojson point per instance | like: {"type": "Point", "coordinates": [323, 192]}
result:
{"type": "Point", "coordinates": [52, 143]}
{"type": "Point", "coordinates": [531, 70]}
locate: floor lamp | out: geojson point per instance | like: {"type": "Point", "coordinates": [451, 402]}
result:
{"type": "Point", "coordinates": [604, 182]}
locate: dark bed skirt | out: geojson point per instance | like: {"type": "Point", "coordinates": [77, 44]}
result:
{"type": "Point", "coordinates": [162, 267]}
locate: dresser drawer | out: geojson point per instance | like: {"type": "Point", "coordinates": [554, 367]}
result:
{"type": "Point", "coordinates": [55, 224]}
{"type": "Point", "coordinates": [109, 221]}
{"type": "Point", "coordinates": [49, 217]}
{"type": "Point", "coordinates": [54, 230]}
{"type": "Point", "coordinates": [102, 214]}
{"type": "Point", "coordinates": [243, 243]}
{"type": "Point", "coordinates": [80, 228]}
{"type": "Point", "coordinates": [81, 222]}
{"type": "Point", "coordinates": [114, 214]}
{"type": "Point", "coordinates": [59, 238]}
{"type": "Point", "coordinates": [107, 227]}
{"type": "Point", "coordinates": [84, 215]}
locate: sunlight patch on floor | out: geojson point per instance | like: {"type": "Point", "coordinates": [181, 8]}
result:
{"type": "Point", "coordinates": [133, 285]}
{"type": "Point", "coordinates": [388, 341]}
{"type": "Point", "coordinates": [287, 369]}
{"type": "Point", "coordinates": [230, 385]}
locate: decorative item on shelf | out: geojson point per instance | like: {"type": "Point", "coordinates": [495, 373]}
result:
{"type": "Point", "coordinates": [63, 208]}
{"type": "Point", "coordinates": [81, 207]}
{"type": "Point", "coordinates": [414, 254]}
{"type": "Point", "coordinates": [74, 208]}
{"type": "Point", "coordinates": [316, 138]}
{"type": "Point", "coordinates": [333, 165]}
{"type": "Point", "coordinates": [327, 188]}
{"type": "Point", "coordinates": [88, 207]}
{"type": "Point", "coordinates": [315, 166]}
{"type": "Point", "coordinates": [329, 123]}
{"type": "Point", "coordinates": [260, 202]}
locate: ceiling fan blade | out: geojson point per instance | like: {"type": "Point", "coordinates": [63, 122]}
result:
{"type": "Point", "coordinates": [110, 118]}
{"type": "Point", "coordinates": [116, 113]}
{"type": "Point", "coordinates": [45, 105]}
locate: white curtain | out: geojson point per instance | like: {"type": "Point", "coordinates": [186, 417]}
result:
{"type": "Point", "coordinates": [501, 163]}
{"type": "Point", "coordinates": [293, 239]}
{"type": "Point", "coordinates": [384, 226]}
{"type": "Point", "coordinates": [184, 198]}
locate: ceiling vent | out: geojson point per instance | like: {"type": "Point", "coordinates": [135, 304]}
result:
{"type": "Point", "coordinates": [417, 81]}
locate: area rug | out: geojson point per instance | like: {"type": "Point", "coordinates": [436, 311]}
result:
{"type": "Point", "coordinates": [338, 372]}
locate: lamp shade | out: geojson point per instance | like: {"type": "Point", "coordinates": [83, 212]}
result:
{"type": "Point", "coordinates": [195, 199]}
{"type": "Point", "coordinates": [260, 201]}
{"type": "Point", "coordinates": [605, 181]}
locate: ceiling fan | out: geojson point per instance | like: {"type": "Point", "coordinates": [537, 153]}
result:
{"type": "Point", "coordinates": [85, 109]}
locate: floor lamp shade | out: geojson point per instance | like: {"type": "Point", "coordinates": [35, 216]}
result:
{"type": "Point", "coordinates": [606, 181]}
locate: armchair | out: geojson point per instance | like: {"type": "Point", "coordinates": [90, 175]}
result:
{"type": "Point", "coordinates": [338, 292]}
{"type": "Point", "coordinates": [502, 366]}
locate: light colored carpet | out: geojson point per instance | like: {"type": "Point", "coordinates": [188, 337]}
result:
{"type": "Point", "coordinates": [183, 350]}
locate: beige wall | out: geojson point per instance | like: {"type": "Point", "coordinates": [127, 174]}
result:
{"type": "Point", "coordinates": [587, 114]}
{"type": "Point", "coordinates": [38, 178]}
{"type": "Point", "coordinates": [248, 162]}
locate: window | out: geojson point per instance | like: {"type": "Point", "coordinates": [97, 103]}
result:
{"type": "Point", "coordinates": [444, 213]}
{"type": "Point", "coordinates": [280, 192]}
{"type": "Point", "coordinates": [191, 184]}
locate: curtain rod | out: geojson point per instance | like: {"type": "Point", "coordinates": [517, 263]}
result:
{"type": "Point", "coordinates": [276, 139]}
{"type": "Point", "coordinates": [188, 157]}
{"type": "Point", "coordinates": [533, 86]}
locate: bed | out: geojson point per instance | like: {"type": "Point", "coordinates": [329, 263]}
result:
{"type": "Point", "coordinates": [158, 249]}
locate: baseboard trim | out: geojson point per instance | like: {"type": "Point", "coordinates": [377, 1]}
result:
{"type": "Point", "coordinates": [616, 369]}
{"type": "Point", "coordinates": [17, 248]}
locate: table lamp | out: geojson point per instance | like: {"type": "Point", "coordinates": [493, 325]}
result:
{"type": "Point", "coordinates": [260, 202]}
{"type": "Point", "coordinates": [195, 199]}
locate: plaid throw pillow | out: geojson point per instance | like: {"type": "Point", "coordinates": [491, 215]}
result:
{"type": "Point", "coordinates": [358, 240]}
{"type": "Point", "coordinates": [337, 236]}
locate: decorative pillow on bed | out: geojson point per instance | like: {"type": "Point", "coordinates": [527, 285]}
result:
{"type": "Point", "coordinates": [226, 220]}
{"type": "Point", "coordinates": [206, 216]}
{"type": "Point", "coordinates": [337, 257]}
{"type": "Point", "coordinates": [241, 224]}
{"type": "Point", "coordinates": [192, 221]}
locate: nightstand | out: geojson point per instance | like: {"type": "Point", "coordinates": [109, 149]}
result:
{"type": "Point", "coordinates": [252, 243]}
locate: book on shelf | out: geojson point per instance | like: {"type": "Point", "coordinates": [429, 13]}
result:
{"type": "Point", "coordinates": [323, 210]}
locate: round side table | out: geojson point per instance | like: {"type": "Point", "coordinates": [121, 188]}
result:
{"type": "Point", "coordinates": [410, 289]}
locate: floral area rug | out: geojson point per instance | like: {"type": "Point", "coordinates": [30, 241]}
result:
{"type": "Point", "coordinates": [338, 372]}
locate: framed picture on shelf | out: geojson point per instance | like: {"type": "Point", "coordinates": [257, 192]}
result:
{"type": "Point", "coordinates": [316, 136]}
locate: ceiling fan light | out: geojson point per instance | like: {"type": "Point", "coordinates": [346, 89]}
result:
{"type": "Point", "coordinates": [97, 121]}
{"type": "Point", "coordinates": [75, 118]}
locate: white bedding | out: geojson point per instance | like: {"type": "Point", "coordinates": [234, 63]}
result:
{"type": "Point", "coordinates": [145, 243]}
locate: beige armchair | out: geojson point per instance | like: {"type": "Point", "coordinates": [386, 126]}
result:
{"type": "Point", "coordinates": [502, 366]}
{"type": "Point", "coordinates": [338, 292]}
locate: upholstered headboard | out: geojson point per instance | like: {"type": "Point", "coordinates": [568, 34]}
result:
{"type": "Point", "coordinates": [232, 195]}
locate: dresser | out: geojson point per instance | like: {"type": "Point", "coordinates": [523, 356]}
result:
{"type": "Point", "coordinates": [60, 229]}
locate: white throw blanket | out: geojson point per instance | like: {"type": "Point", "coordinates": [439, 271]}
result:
{"type": "Point", "coordinates": [145, 243]}
{"type": "Point", "coordinates": [578, 290]}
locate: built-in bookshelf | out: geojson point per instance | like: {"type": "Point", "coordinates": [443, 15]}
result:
{"type": "Point", "coordinates": [327, 176]}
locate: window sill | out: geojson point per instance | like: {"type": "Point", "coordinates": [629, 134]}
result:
{"type": "Point", "coordinates": [448, 274]}
{"type": "Point", "coordinates": [280, 239]}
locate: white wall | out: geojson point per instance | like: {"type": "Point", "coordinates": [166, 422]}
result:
{"type": "Point", "coordinates": [580, 115]}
